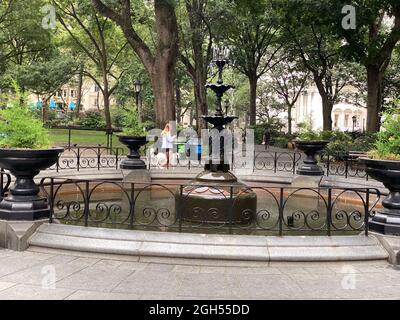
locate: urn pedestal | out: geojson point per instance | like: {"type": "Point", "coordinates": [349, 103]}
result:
{"type": "Point", "coordinates": [23, 201]}
{"type": "Point", "coordinates": [133, 161]}
{"type": "Point", "coordinates": [310, 166]}
{"type": "Point", "coordinates": [386, 220]}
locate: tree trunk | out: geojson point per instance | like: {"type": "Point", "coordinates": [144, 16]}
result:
{"type": "Point", "coordinates": [327, 107]}
{"type": "Point", "coordinates": [289, 119]}
{"type": "Point", "coordinates": [374, 98]}
{"type": "Point", "coordinates": [201, 99]}
{"type": "Point", "coordinates": [79, 92]}
{"type": "Point", "coordinates": [106, 98]}
{"type": "Point", "coordinates": [199, 71]}
{"type": "Point", "coordinates": [253, 99]}
{"type": "Point", "coordinates": [327, 104]}
{"type": "Point", "coordinates": [161, 64]}
{"type": "Point", "coordinates": [178, 103]}
{"type": "Point", "coordinates": [107, 114]}
{"type": "Point", "coordinates": [162, 80]}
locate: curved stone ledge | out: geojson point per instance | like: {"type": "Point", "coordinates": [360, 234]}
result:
{"type": "Point", "coordinates": [208, 246]}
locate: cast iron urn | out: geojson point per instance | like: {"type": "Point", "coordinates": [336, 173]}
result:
{"type": "Point", "coordinates": [387, 220]}
{"type": "Point", "coordinates": [133, 161]}
{"type": "Point", "coordinates": [23, 201]}
{"type": "Point", "coordinates": [310, 165]}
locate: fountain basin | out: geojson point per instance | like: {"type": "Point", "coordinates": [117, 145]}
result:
{"type": "Point", "coordinates": [216, 198]}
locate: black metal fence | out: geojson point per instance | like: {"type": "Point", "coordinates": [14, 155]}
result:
{"type": "Point", "coordinates": [269, 161]}
{"type": "Point", "coordinates": [88, 157]}
{"type": "Point", "coordinates": [280, 210]}
{"type": "Point", "coordinates": [5, 181]}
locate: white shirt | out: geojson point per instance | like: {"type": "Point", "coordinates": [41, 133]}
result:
{"type": "Point", "coordinates": [167, 141]}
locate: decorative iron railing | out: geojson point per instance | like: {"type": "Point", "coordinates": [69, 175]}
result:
{"type": "Point", "coordinates": [5, 181]}
{"type": "Point", "coordinates": [88, 157]}
{"type": "Point", "coordinates": [268, 161]}
{"type": "Point", "coordinates": [280, 210]}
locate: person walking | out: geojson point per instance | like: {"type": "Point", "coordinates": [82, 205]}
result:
{"type": "Point", "coordinates": [267, 138]}
{"type": "Point", "coordinates": [167, 141]}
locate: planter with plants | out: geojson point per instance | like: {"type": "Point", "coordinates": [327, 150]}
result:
{"type": "Point", "coordinates": [24, 151]}
{"type": "Point", "coordinates": [383, 164]}
{"type": "Point", "coordinates": [311, 143]}
{"type": "Point", "coordinates": [133, 136]}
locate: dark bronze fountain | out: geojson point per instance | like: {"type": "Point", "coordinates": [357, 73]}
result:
{"type": "Point", "coordinates": [215, 195]}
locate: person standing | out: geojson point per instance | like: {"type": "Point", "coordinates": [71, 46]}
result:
{"type": "Point", "coordinates": [167, 140]}
{"type": "Point", "coordinates": [267, 138]}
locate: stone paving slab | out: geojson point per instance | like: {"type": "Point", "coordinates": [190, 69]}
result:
{"type": "Point", "coordinates": [80, 277]}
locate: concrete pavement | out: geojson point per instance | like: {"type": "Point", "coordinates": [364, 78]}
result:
{"type": "Point", "coordinates": [49, 274]}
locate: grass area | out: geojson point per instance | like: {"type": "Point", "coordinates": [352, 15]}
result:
{"type": "Point", "coordinates": [59, 137]}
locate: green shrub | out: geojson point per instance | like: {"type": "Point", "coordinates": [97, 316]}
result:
{"type": "Point", "coordinates": [281, 142]}
{"type": "Point", "coordinates": [128, 118]}
{"type": "Point", "coordinates": [92, 119]}
{"type": "Point", "coordinates": [275, 128]}
{"type": "Point", "coordinates": [364, 142]}
{"type": "Point", "coordinates": [20, 128]}
{"type": "Point", "coordinates": [387, 145]}
{"type": "Point", "coordinates": [341, 143]}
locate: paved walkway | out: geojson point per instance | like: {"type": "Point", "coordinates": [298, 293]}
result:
{"type": "Point", "coordinates": [38, 274]}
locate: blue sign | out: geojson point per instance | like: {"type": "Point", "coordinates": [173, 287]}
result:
{"type": "Point", "coordinates": [52, 104]}
{"type": "Point", "coordinates": [198, 149]}
{"type": "Point", "coordinates": [72, 105]}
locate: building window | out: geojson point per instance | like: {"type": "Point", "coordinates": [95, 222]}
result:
{"type": "Point", "coordinates": [72, 93]}
{"type": "Point", "coordinates": [336, 121]}
{"type": "Point", "coordinates": [346, 120]}
{"type": "Point", "coordinates": [64, 93]}
{"type": "Point", "coordinates": [96, 88]}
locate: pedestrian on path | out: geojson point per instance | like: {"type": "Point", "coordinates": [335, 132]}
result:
{"type": "Point", "coordinates": [167, 140]}
{"type": "Point", "coordinates": [267, 138]}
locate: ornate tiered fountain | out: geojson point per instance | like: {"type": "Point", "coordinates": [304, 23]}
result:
{"type": "Point", "coordinates": [215, 195]}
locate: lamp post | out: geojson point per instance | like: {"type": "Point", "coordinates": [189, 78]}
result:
{"type": "Point", "coordinates": [138, 88]}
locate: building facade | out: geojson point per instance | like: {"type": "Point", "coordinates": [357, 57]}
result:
{"type": "Point", "coordinates": [66, 98]}
{"type": "Point", "coordinates": [345, 115]}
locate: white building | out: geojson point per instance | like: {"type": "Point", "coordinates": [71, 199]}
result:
{"type": "Point", "coordinates": [308, 108]}
{"type": "Point", "coordinates": [66, 97]}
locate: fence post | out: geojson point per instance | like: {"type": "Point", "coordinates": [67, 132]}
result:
{"type": "Point", "coordinates": [98, 158]}
{"type": "Point", "coordinates": [132, 209]}
{"type": "Point", "coordinates": [275, 161]}
{"type": "Point", "coordinates": [51, 200]}
{"type": "Point", "coordinates": [116, 159]}
{"type": "Point", "coordinates": [233, 154]}
{"type": "Point", "coordinates": [328, 163]}
{"type": "Point", "coordinates": [69, 139]}
{"type": "Point", "coordinates": [254, 160]}
{"type": "Point", "coordinates": [329, 213]}
{"type": "Point", "coordinates": [149, 157]}
{"type": "Point", "coordinates": [87, 203]}
{"type": "Point", "coordinates": [1, 183]}
{"type": "Point", "coordinates": [346, 167]}
{"type": "Point", "coordinates": [366, 213]}
{"type": "Point", "coordinates": [294, 162]}
{"type": "Point", "coordinates": [180, 208]}
{"type": "Point", "coordinates": [231, 210]}
{"type": "Point", "coordinates": [78, 159]}
{"type": "Point", "coordinates": [111, 139]}
{"type": "Point", "coordinates": [281, 212]}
